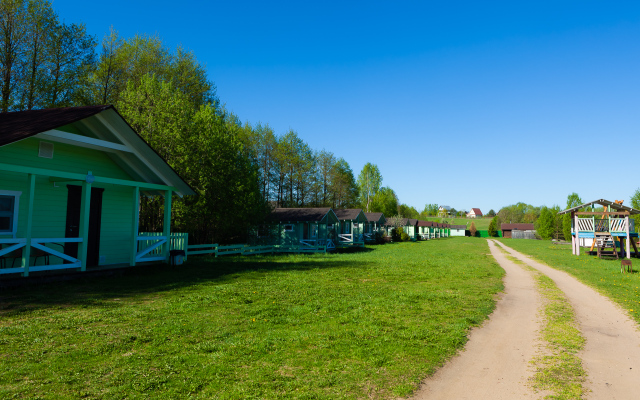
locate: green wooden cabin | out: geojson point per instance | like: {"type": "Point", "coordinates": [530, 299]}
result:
{"type": "Point", "coordinates": [424, 230]}
{"type": "Point", "coordinates": [393, 222]}
{"type": "Point", "coordinates": [351, 228]}
{"type": "Point", "coordinates": [374, 225]}
{"type": "Point", "coordinates": [309, 227]}
{"type": "Point", "coordinates": [70, 186]}
{"type": "Point", "coordinates": [412, 229]}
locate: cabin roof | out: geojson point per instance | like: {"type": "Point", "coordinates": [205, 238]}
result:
{"type": "Point", "coordinates": [18, 125]}
{"type": "Point", "coordinates": [143, 163]}
{"type": "Point", "coordinates": [458, 227]}
{"type": "Point", "coordinates": [413, 222]}
{"type": "Point", "coordinates": [518, 227]}
{"type": "Point", "coordinates": [425, 223]}
{"type": "Point", "coordinates": [349, 214]}
{"type": "Point", "coordinates": [300, 214]}
{"type": "Point", "coordinates": [602, 202]}
{"type": "Point", "coordinates": [374, 216]}
{"type": "Point", "coordinates": [403, 222]}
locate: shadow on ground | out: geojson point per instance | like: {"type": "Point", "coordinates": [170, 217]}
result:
{"type": "Point", "coordinates": [147, 281]}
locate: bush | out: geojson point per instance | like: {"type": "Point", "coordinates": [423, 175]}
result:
{"type": "Point", "coordinates": [473, 229]}
{"type": "Point", "coordinates": [396, 234]}
{"type": "Point", "coordinates": [404, 236]}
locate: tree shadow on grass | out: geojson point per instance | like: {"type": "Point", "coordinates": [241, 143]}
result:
{"type": "Point", "coordinates": [151, 280]}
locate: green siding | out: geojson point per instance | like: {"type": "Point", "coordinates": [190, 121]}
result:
{"type": "Point", "coordinates": [66, 158]}
{"type": "Point", "coordinates": [50, 201]}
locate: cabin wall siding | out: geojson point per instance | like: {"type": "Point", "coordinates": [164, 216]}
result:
{"type": "Point", "coordinates": [66, 158]}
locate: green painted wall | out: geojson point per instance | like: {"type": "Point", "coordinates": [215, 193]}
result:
{"type": "Point", "coordinates": [50, 201]}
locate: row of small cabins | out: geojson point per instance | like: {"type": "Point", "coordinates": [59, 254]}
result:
{"type": "Point", "coordinates": [343, 227]}
{"type": "Point", "coordinates": [71, 180]}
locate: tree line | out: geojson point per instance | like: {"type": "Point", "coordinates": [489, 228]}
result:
{"type": "Point", "coordinates": [238, 170]}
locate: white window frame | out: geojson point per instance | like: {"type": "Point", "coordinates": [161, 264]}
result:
{"type": "Point", "coordinates": [314, 231]}
{"type": "Point", "coordinates": [291, 229]}
{"type": "Point", "coordinates": [16, 211]}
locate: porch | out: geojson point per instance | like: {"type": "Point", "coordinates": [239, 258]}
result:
{"type": "Point", "coordinates": [58, 220]}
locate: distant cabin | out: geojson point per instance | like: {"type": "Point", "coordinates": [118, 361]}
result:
{"type": "Point", "coordinates": [458, 230]}
{"type": "Point", "coordinates": [517, 230]}
{"type": "Point", "coordinates": [70, 186]}
{"type": "Point", "coordinates": [375, 224]}
{"type": "Point", "coordinates": [310, 227]}
{"type": "Point", "coordinates": [351, 226]}
{"type": "Point", "coordinates": [474, 213]}
{"type": "Point", "coordinates": [425, 229]}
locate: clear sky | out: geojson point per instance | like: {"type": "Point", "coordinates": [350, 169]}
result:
{"type": "Point", "coordinates": [467, 104]}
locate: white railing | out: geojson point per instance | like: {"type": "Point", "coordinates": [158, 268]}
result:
{"type": "Point", "coordinates": [345, 238]}
{"type": "Point", "coordinates": [177, 241]}
{"type": "Point", "coordinates": [586, 225]}
{"type": "Point", "coordinates": [152, 243]}
{"type": "Point", "coordinates": [39, 244]}
{"type": "Point", "coordinates": [15, 244]}
{"type": "Point", "coordinates": [617, 225]}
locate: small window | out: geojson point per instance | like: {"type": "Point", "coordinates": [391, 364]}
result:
{"type": "Point", "coordinates": [288, 228]}
{"type": "Point", "coordinates": [9, 202]}
{"type": "Point", "coordinates": [314, 231]}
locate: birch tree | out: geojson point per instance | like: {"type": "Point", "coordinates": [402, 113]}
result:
{"type": "Point", "coordinates": [369, 182]}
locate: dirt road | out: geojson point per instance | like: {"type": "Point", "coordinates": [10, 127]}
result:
{"type": "Point", "coordinates": [495, 362]}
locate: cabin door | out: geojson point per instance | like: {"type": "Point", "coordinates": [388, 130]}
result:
{"type": "Point", "coordinates": [72, 229]}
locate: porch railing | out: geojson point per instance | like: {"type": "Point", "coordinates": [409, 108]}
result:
{"type": "Point", "coordinates": [44, 251]}
{"type": "Point", "coordinates": [150, 245]}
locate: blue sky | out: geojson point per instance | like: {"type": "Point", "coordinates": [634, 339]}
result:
{"type": "Point", "coordinates": [467, 104]}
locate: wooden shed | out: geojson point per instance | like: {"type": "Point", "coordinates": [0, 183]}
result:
{"type": "Point", "coordinates": [458, 230]}
{"type": "Point", "coordinates": [70, 185]}
{"type": "Point", "coordinates": [507, 229]}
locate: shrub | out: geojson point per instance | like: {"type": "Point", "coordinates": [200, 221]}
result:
{"type": "Point", "coordinates": [404, 236]}
{"type": "Point", "coordinates": [473, 229]}
{"type": "Point", "coordinates": [396, 234]}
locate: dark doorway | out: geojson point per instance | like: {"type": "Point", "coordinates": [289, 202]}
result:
{"type": "Point", "coordinates": [73, 223]}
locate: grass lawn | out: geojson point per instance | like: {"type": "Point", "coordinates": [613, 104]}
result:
{"type": "Point", "coordinates": [368, 324]}
{"type": "Point", "coordinates": [481, 223]}
{"type": "Point", "coordinates": [602, 274]}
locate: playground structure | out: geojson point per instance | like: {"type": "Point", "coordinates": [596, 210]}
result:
{"type": "Point", "coordinates": [609, 228]}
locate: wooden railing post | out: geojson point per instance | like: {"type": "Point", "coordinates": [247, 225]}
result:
{"type": "Point", "coordinates": [85, 208]}
{"type": "Point", "coordinates": [134, 226]}
{"type": "Point", "coordinates": [166, 231]}
{"type": "Point", "coordinates": [26, 252]}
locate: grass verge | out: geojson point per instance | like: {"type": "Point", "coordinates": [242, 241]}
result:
{"type": "Point", "coordinates": [369, 324]}
{"type": "Point", "coordinates": [601, 274]}
{"type": "Point", "coordinates": [558, 369]}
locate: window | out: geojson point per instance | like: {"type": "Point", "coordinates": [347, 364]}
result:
{"type": "Point", "coordinates": [9, 202]}
{"type": "Point", "coordinates": [288, 228]}
{"type": "Point", "coordinates": [314, 231]}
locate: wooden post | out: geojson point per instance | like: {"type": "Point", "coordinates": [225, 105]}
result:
{"type": "Point", "coordinates": [26, 253]}
{"type": "Point", "coordinates": [85, 208]}
{"type": "Point", "coordinates": [627, 245]}
{"type": "Point", "coordinates": [166, 232]}
{"type": "Point", "coordinates": [577, 229]}
{"type": "Point", "coordinates": [135, 221]}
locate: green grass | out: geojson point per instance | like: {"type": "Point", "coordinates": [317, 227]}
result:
{"type": "Point", "coordinates": [481, 223]}
{"type": "Point", "coordinates": [352, 325]}
{"type": "Point", "coordinates": [602, 274]}
{"type": "Point", "coordinates": [559, 369]}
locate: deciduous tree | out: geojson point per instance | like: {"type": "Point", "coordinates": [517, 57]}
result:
{"type": "Point", "coordinates": [369, 182]}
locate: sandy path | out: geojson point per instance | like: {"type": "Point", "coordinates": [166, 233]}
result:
{"type": "Point", "coordinates": [611, 355]}
{"type": "Point", "coordinates": [495, 362]}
